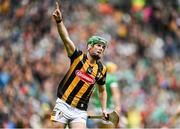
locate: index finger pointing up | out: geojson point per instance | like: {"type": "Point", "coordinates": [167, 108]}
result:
{"type": "Point", "coordinates": [57, 5]}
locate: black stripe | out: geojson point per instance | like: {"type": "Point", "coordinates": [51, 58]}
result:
{"type": "Point", "coordinates": [99, 72]}
{"type": "Point", "coordinates": [74, 92]}
{"type": "Point", "coordinates": [75, 55]}
{"type": "Point", "coordinates": [85, 99]}
{"type": "Point", "coordinates": [59, 93]}
{"type": "Point", "coordinates": [71, 78]}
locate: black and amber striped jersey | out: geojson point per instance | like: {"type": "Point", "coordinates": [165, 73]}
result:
{"type": "Point", "coordinates": [78, 84]}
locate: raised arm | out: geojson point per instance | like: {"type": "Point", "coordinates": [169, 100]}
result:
{"type": "Point", "coordinates": [63, 33]}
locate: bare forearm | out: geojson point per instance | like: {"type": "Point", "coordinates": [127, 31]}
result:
{"type": "Point", "coordinates": [103, 98]}
{"type": "Point", "coordinates": [116, 98]}
{"type": "Point", "coordinates": [63, 33]}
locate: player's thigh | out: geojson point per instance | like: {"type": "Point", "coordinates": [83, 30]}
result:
{"type": "Point", "coordinates": [79, 119]}
{"type": "Point", "coordinates": [57, 125]}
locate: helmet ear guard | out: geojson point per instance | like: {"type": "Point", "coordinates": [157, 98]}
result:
{"type": "Point", "coordinates": [96, 40]}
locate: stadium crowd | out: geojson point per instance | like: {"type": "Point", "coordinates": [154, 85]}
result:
{"type": "Point", "coordinates": [144, 42]}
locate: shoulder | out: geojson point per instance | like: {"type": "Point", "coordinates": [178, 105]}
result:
{"type": "Point", "coordinates": [101, 65]}
{"type": "Point", "coordinates": [76, 53]}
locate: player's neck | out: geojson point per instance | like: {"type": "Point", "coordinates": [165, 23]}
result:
{"type": "Point", "coordinates": [91, 59]}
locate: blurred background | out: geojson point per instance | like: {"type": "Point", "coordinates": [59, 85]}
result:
{"type": "Point", "coordinates": [144, 43]}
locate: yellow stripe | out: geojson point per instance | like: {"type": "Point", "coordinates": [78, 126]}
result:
{"type": "Point", "coordinates": [74, 64]}
{"type": "Point", "coordinates": [84, 88]}
{"type": "Point", "coordinates": [104, 70]}
{"type": "Point", "coordinates": [70, 88]}
{"type": "Point", "coordinates": [74, 83]}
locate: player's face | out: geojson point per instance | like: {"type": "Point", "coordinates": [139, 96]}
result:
{"type": "Point", "coordinates": [97, 51]}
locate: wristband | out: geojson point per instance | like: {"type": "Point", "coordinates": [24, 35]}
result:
{"type": "Point", "coordinates": [59, 21]}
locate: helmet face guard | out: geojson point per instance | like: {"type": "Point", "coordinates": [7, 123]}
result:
{"type": "Point", "coordinates": [96, 40]}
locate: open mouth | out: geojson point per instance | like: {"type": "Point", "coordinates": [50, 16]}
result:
{"type": "Point", "coordinates": [98, 52]}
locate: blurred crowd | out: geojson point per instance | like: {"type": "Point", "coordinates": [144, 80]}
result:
{"type": "Point", "coordinates": [144, 42]}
